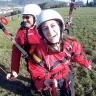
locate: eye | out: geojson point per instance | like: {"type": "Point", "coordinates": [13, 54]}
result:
{"type": "Point", "coordinates": [44, 28]}
{"type": "Point", "coordinates": [53, 25]}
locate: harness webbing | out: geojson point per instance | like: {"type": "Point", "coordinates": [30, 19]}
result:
{"type": "Point", "coordinates": [60, 61]}
{"type": "Point", "coordinates": [37, 59]}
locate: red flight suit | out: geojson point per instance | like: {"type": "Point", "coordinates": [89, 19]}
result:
{"type": "Point", "coordinates": [25, 38]}
{"type": "Point", "coordinates": [56, 65]}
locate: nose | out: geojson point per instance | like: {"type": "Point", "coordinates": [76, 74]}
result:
{"type": "Point", "coordinates": [24, 19]}
{"type": "Point", "coordinates": [50, 31]}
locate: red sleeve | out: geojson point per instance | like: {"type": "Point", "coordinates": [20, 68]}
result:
{"type": "Point", "coordinates": [33, 36]}
{"type": "Point", "coordinates": [16, 54]}
{"type": "Point", "coordinates": [78, 55]}
{"type": "Point", "coordinates": [15, 60]}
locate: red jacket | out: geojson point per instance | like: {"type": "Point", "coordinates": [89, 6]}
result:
{"type": "Point", "coordinates": [23, 35]}
{"type": "Point", "coordinates": [56, 62]}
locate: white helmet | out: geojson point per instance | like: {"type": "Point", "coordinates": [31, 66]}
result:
{"type": "Point", "coordinates": [49, 14]}
{"type": "Point", "coordinates": [31, 9]}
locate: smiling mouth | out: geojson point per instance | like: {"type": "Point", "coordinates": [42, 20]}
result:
{"type": "Point", "coordinates": [52, 36]}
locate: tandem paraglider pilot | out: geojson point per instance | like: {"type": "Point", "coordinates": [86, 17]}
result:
{"type": "Point", "coordinates": [27, 37]}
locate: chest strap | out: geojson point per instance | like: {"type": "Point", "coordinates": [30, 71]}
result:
{"type": "Point", "coordinates": [39, 60]}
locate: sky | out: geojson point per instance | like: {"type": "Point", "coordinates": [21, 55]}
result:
{"type": "Point", "coordinates": [64, 0]}
{"type": "Point", "coordinates": [86, 1]}
{"type": "Point", "coordinates": [75, 0]}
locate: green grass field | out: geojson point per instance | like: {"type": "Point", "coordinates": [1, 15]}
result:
{"type": "Point", "coordinates": [83, 28]}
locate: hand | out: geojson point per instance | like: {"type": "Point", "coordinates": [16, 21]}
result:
{"type": "Point", "coordinates": [11, 75]}
{"type": "Point", "coordinates": [89, 67]}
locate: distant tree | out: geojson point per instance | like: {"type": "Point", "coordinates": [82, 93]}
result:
{"type": "Point", "coordinates": [15, 1]}
{"type": "Point", "coordinates": [94, 2]}
{"type": "Point", "coordinates": [91, 4]}
{"type": "Point", "coordinates": [72, 0]}
{"type": "Point", "coordinates": [87, 3]}
{"type": "Point", "coordinates": [20, 2]}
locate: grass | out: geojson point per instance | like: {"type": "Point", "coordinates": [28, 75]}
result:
{"type": "Point", "coordinates": [83, 28]}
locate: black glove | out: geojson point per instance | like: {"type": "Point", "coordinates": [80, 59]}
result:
{"type": "Point", "coordinates": [1, 25]}
{"type": "Point", "coordinates": [47, 92]}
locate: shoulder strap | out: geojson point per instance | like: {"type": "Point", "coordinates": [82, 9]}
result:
{"type": "Point", "coordinates": [37, 59]}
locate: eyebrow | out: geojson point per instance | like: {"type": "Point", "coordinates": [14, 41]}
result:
{"type": "Point", "coordinates": [50, 24]}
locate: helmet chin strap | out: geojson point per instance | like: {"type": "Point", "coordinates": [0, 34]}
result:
{"type": "Point", "coordinates": [55, 47]}
{"type": "Point", "coordinates": [34, 24]}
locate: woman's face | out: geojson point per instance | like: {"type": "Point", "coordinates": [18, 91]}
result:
{"type": "Point", "coordinates": [28, 20]}
{"type": "Point", "coordinates": [51, 31]}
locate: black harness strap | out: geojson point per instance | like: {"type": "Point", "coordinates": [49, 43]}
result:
{"type": "Point", "coordinates": [69, 47]}
{"type": "Point", "coordinates": [60, 61]}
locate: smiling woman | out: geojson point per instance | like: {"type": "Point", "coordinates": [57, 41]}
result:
{"type": "Point", "coordinates": [51, 31]}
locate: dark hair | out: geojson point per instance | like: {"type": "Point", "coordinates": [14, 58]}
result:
{"type": "Point", "coordinates": [66, 37]}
